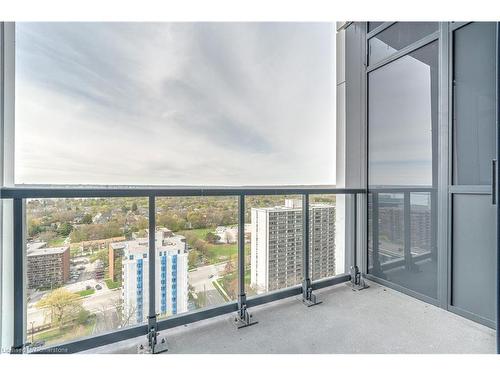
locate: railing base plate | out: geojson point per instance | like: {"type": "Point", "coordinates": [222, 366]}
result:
{"type": "Point", "coordinates": [161, 346]}
{"type": "Point", "coordinates": [243, 319]}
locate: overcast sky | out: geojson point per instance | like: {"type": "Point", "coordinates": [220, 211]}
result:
{"type": "Point", "coordinates": [185, 103]}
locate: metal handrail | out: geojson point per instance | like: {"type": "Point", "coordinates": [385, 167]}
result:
{"type": "Point", "coordinates": [96, 191]}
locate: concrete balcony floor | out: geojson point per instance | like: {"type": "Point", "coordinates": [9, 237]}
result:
{"type": "Point", "coordinates": [375, 320]}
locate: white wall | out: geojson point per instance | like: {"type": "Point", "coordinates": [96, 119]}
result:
{"type": "Point", "coordinates": [7, 179]}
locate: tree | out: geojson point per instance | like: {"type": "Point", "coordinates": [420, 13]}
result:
{"type": "Point", "coordinates": [34, 227]}
{"type": "Point", "coordinates": [134, 207]}
{"type": "Point", "coordinates": [64, 229]}
{"type": "Point", "coordinates": [87, 219]}
{"type": "Point", "coordinates": [193, 258]}
{"type": "Point", "coordinates": [212, 237]}
{"type": "Point", "coordinates": [63, 305]}
{"type": "Point", "coordinates": [202, 247]}
{"type": "Point", "coordinates": [230, 267]}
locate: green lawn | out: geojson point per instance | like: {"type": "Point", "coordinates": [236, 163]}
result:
{"type": "Point", "coordinates": [86, 292]}
{"type": "Point", "coordinates": [200, 233]}
{"type": "Point", "coordinates": [222, 251]}
{"type": "Point", "coordinates": [56, 242]}
{"type": "Point", "coordinates": [216, 252]}
{"type": "Point", "coordinates": [113, 284]}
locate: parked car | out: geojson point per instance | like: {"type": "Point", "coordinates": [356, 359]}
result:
{"type": "Point", "coordinates": [98, 287]}
{"type": "Point", "coordinates": [88, 287]}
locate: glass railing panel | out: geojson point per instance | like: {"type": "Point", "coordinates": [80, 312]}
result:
{"type": "Point", "coordinates": [82, 257]}
{"type": "Point", "coordinates": [273, 251]}
{"type": "Point", "coordinates": [326, 244]}
{"type": "Point", "coordinates": [196, 253]}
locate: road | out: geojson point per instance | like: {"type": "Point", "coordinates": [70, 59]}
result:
{"type": "Point", "coordinates": [201, 281]}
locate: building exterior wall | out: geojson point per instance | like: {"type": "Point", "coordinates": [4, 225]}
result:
{"type": "Point", "coordinates": [276, 248]}
{"type": "Point", "coordinates": [171, 281]}
{"type": "Point", "coordinates": [48, 267]}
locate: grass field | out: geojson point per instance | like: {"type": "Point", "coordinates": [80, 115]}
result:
{"type": "Point", "coordinates": [216, 252]}
{"type": "Point", "coordinates": [56, 242]}
{"type": "Point", "coordinates": [86, 292]}
{"type": "Point", "coordinates": [112, 284]}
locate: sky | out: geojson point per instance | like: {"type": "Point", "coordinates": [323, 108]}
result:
{"type": "Point", "coordinates": [175, 103]}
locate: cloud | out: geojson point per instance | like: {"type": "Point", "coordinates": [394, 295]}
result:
{"type": "Point", "coordinates": [175, 103]}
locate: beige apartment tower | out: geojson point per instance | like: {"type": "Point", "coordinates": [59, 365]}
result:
{"type": "Point", "coordinates": [276, 246]}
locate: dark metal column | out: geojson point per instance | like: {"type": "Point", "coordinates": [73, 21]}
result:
{"type": "Point", "coordinates": [155, 345]}
{"type": "Point", "coordinates": [19, 285]}
{"type": "Point", "coordinates": [241, 251]}
{"type": "Point", "coordinates": [243, 317]}
{"type": "Point", "coordinates": [308, 298]}
{"type": "Point", "coordinates": [152, 258]}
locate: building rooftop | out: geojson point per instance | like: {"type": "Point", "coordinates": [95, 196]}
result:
{"type": "Point", "coordinates": [47, 251]}
{"type": "Point", "coordinates": [166, 240]}
{"type": "Point", "coordinates": [35, 245]}
{"type": "Point", "coordinates": [293, 205]}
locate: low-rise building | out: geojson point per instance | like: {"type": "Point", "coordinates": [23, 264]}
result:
{"type": "Point", "coordinates": [47, 267]}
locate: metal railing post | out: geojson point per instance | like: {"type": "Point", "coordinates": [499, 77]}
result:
{"type": "Point", "coordinates": [308, 298]}
{"type": "Point", "coordinates": [155, 345]}
{"type": "Point", "coordinates": [243, 317]}
{"type": "Point", "coordinates": [19, 280]}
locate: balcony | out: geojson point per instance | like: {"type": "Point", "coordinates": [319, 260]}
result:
{"type": "Point", "coordinates": [346, 322]}
{"type": "Point", "coordinates": [400, 257]}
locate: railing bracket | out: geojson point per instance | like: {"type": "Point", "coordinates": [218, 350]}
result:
{"type": "Point", "coordinates": [357, 281]}
{"type": "Point", "coordinates": [156, 343]}
{"type": "Point", "coordinates": [243, 318]}
{"type": "Point", "coordinates": [308, 297]}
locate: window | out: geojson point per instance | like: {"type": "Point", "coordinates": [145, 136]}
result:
{"type": "Point", "coordinates": [396, 37]}
{"type": "Point", "coordinates": [402, 149]}
{"type": "Point", "coordinates": [175, 103]}
{"type": "Point", "coordinates": [402, 111]}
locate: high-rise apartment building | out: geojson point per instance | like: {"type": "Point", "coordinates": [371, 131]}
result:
{"type": "Point", "coordinates": [171, 275]}
{"type": "Point", "coordinates": [276, 246]}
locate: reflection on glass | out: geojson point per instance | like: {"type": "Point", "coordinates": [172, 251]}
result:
{"type": "Point", "coordinates": [275, 242]}
{"type": "Point", "coordinates": [402, 113]}
{"type": "Point", "coordinates": [396, 37]}
{"type": "Point", "coordinates": [474, 73]}
{"type": "Point", "coordinates": [196, 253]}
{"type": "Point", "coordinates": [76, 256]}
{"type": "Point", "coordinates": [402, 241]}
{"type": "Point", "coordinates": [403, 171]}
